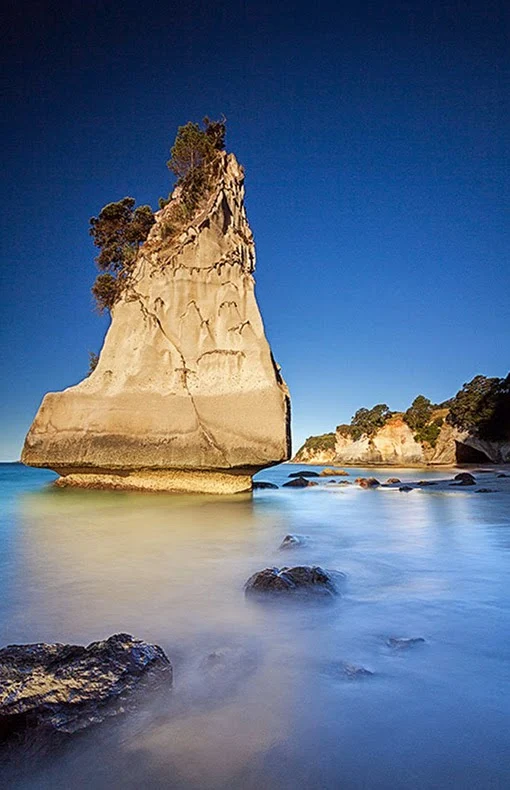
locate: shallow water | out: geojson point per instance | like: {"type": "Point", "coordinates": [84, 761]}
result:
{"type": "Point", "coordinates": [274, 709]}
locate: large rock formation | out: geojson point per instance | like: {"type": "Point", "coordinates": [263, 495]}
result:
{"type": "Point", "coordinates": [186, 394]}
{"type": "Point", "coordinates": [394, 445]}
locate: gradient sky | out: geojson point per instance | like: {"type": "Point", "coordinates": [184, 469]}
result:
{"type": "Point", "coordinates": [373, 136]}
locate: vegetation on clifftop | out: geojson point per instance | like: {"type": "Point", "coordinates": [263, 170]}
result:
{"type": "Point", "coordinates": [120, 228]}
{"type": "Point", "coordinates": [482, 407]}
{"type": "Point", "coordinates": [419, 418]}
{"type": "Point", "coordinates": [326, 441]}
{"type": "Point", "coordinates": [118, 232]}
{"type": "Point", "coordinates": [367, 421]}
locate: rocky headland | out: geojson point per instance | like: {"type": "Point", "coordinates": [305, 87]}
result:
{"type": "Point", "coordinates": [471, 428]}
{"type": "Point", "coordinates": [186, 394]}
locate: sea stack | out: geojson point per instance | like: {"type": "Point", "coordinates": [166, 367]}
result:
{"type": "Point", "coordinates": [186, 395]}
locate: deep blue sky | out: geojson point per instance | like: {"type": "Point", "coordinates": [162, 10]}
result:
{"type": "Point", "coordinates": [373, 136]}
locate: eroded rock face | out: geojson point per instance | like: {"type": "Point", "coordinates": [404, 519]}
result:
{"type": "Point", "coordinates": [67, 688]}
{"type": "Point", "coordinates": [186, 394]}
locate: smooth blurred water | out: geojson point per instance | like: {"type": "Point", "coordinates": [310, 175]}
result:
{"type": "Point", "coordinates": [275, 710]}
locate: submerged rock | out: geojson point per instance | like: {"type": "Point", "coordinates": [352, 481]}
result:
{"type": "Point", "coordinates": [302, 579]}
{"type": "Point", "coordinates": [263, 484]}
{"type": "Point", "coordinates": [466, 478]}
{"type": "Point", "coordinates": [291, 541]}
{"type": "Point", "coordinates": [402, 643]}
{"type": "Point", "coordinates": [354, 672]}
{"type": "Point", "coordinates": [502, 474]}
{"type": "Point", "coordinates": [485, 491]}
{"type": "Point", "coordinates": [367, 482]}
{"type": "Point", "coordinates": [299, 482]}
{"type": "Point", "coordinates": [186, 394]}
{"type": "Point", "coordinates": [405, 489]}
{"type": "Point", "coordinates": [305, 473]}
{"type": "Point", "coordinates": [425, 483]}
{"type": "Point", "coordinates": [66, 688]}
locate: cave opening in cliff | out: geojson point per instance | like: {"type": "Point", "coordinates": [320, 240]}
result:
{"type": "Point", "coordinates": [464, 454]}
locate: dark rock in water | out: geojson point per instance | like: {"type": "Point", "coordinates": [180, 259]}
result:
{"type": "Point", "coordinates": [402, 643]}
{"type": "Point", "coordinates": [304, 474]}
{"type": "Point", "coordinates": [353, 672]}
{"type": "Point", "coordinates": [405, 488]}
{"type": "Point", "coordinates": [367, 482]}
{"type": "Point", "coordinates": [465, 482]}
{"type": "Point", "coordinates": [66, 688]}
{"type": "Point", "coordinates": [291, 541]}
{"type": "Point", "coordinates": [425, 483]}
{"type": "Point", "coordinates": [332, 483]}
{"type": "Point", "coordinates": [485, 491]}
{"type": "Point", "coordinates": [344, 483]}
{"type": "Point", "coordinates": [298, 482]}
{"type": "Point", "coordinates": [392, 481]}
{"type": "Point", "coordinates": [502, 474]}
{"type": "Point", "coordinates": [263, 484]}
{"type": "Point", "coordinates": [465, 477]}
{"type": "Point", "coordinates": [298, 580]}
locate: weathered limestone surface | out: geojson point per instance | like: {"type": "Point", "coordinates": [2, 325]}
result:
{"type": "Point", "coordinates": [186, 381]}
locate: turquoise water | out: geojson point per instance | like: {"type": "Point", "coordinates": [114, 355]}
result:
{"type": "Point", "coordinates": [277, 711]}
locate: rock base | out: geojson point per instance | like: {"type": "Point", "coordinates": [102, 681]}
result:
{"type": "Point", "coordinates": [170, 480]}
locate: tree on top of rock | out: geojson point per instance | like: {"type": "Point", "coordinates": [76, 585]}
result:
{"type": "Point", "coordinates": [367, 421]}
{"type": "Point", "coordinates": [191, 158]}
{"type": "Point", "coordinates": [419, 413]}
{"type": "Point", "coordinates": [195, 147]}
{"type": "Point", "coordinates": [482, 407]}
{"type": "Point", "coordinates": [118, 232]}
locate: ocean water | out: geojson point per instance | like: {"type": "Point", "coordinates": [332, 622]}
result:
{"type": "Point", "coordinates": [276, 709]}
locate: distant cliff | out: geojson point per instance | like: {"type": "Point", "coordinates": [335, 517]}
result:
{"type": "Point", "coordinates": [473, 427]}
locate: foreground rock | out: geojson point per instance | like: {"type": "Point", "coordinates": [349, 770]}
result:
{"type": "Point", "coordinates": [66, 688]}
{"type": "Point", "coordinates": [186, 394]}
{"type": "Point", "coordinates": [300, 580]}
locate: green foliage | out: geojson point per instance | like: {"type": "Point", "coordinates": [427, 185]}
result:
{"type": "Point", "coordinates": [343, 429]}
{"type": "Point", "coordinates": [325, 441]}
{"type": "Point", "coordinates": [192, 157]}
{"type": "Point", "coordinates": [195, 147]}
{"type": "Point", "coordinates": [419, 413]}
{"type": "Point", "coordinates": [105, 291]}
{"type": "Point", "coordinates": [93, 360]}
{"type": "Point", "coordinates": [482, 406]}
{"type": "Point", "coordinates": [429, 432]}
{"type": "Point", "coordinates": [367, 421]}
{"type": "Point", "coordinates": [162, 202]}
{"type": "Point", "coordinates": [118, 232]}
